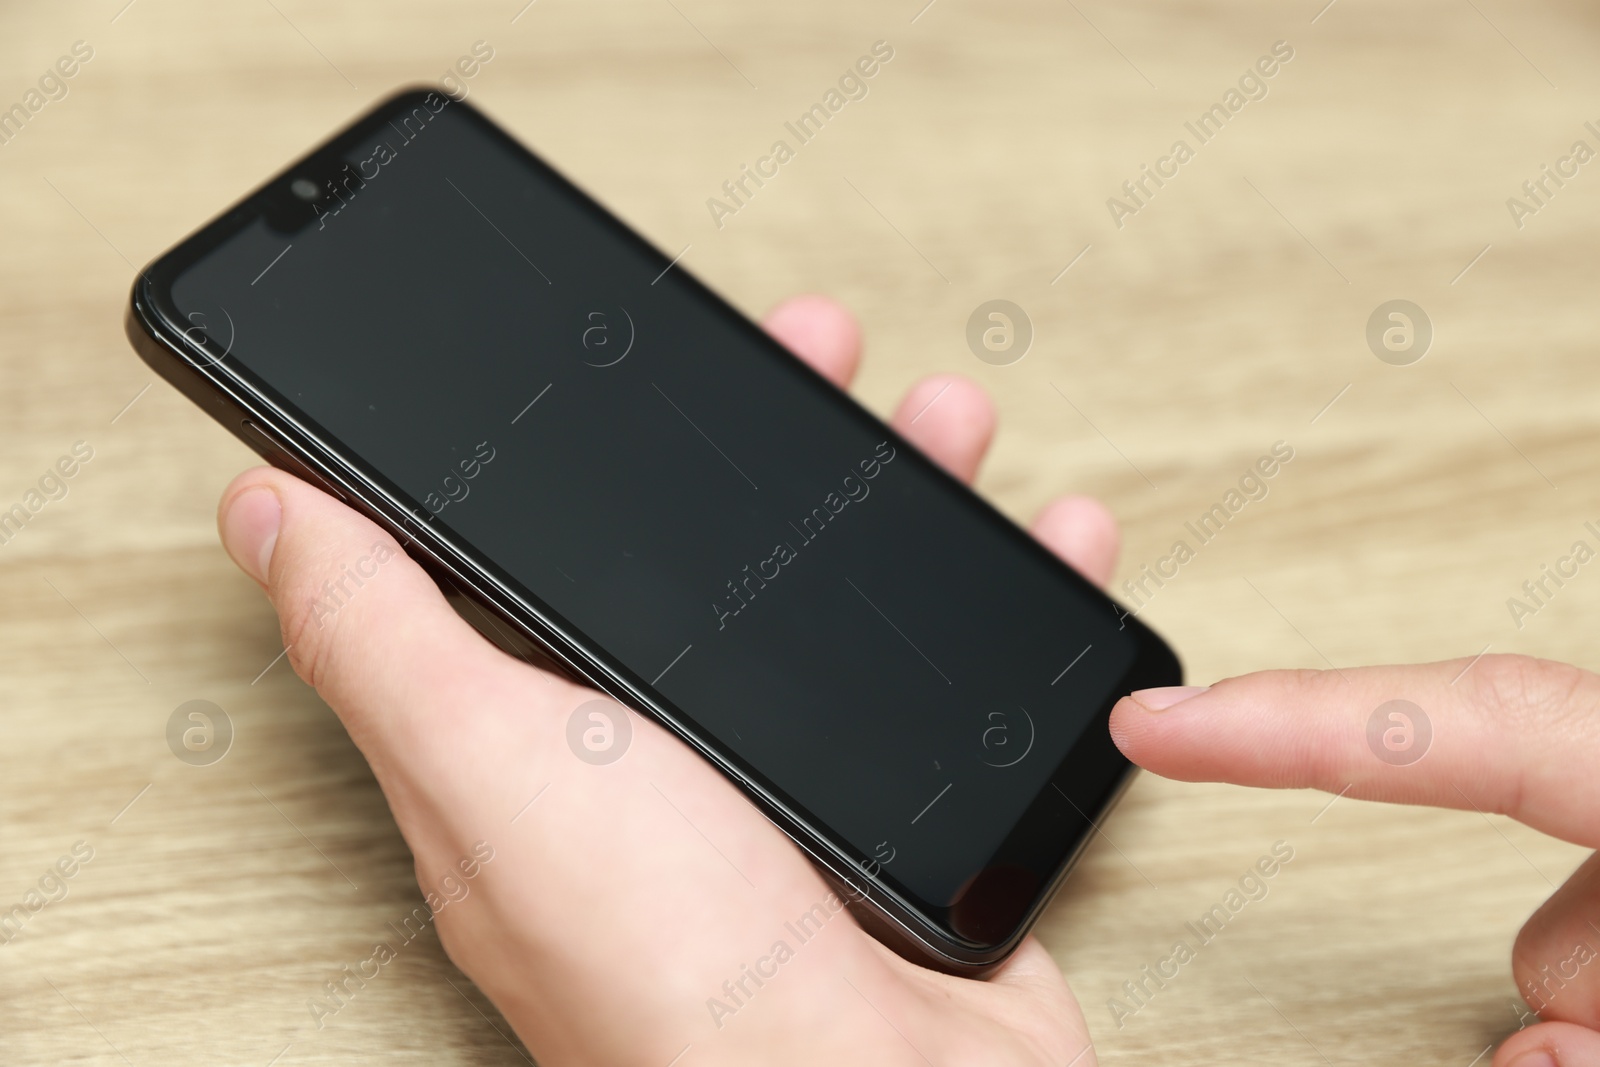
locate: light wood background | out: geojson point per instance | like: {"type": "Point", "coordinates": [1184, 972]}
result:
{"type": "Point", "coordinates": [1225, 316]}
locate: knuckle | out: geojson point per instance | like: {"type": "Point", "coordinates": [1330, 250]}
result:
{"type": "Point", "coordinates": [311, 635]}
{"type": "Point", "coordinates": [1311, 685]}
{"type": "Point", "coordinates": [321, 606]}
{"type": "Point", "coordinates": [1532, 690]}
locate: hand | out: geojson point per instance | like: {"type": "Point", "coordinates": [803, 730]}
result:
{"type": "Point", "coordinates": [617, 904]}
{"type": "Point", "coordinates": [1514, 735]}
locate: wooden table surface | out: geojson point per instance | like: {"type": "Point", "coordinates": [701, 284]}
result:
{"type": "Point", "coordinates": [1227, 313]}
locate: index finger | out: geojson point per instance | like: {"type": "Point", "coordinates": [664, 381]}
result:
{"type": "Point", "coordinates": [1506, 734]}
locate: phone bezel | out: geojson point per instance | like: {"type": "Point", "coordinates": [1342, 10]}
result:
{"type": "Point", "coordinates": [1059, 820]}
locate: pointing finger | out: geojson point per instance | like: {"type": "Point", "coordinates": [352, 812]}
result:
{"type": "Point", "coordinates": [1514, 735]}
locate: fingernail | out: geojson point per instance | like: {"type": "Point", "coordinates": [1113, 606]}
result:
{"type": "Point", "coordinates": [250, 530]}
{"type": "Point", "coordinates": [1162, 699]}
{"type": "Point", "coordinates": [1535, 1057]}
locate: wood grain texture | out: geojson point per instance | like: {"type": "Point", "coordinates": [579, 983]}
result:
{"type": "Point", "coordinates": [1222, 317]}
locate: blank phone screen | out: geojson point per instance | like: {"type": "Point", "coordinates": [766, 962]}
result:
{"type": "Point", "coordinates": [876, 647]}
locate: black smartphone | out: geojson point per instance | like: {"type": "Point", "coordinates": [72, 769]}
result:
{"type": "Point", "coordinates": [613, 472]}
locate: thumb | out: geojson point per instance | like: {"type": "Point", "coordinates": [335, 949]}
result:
{"type": "Point", "coordinates": [362, 623]}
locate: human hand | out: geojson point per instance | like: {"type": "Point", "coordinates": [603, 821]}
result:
{"type": "Point", "coordinates": [1515, 735]}
{"type": "Point", "coordinates": [620, 902]}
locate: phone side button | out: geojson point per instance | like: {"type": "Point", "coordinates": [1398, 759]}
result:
{"type": "Point", "coordinates": [274, 453]}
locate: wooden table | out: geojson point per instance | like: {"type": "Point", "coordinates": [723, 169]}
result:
{"type": "Point", "coordinates": [1226, 313]}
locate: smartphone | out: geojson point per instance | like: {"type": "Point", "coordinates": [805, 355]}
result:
{"type": "Point", "coordinates": [614, 473]}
